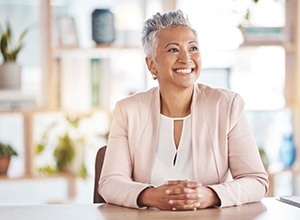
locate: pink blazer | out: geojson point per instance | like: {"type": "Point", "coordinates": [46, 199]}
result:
{"type": "Point", "coordinates": [225, 155]}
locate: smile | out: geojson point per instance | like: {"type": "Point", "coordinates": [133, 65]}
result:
{"type": "Point", "coordinates": [184, 71]}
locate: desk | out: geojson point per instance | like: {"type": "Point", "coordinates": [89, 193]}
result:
{"type": "Point", "coordinates": [269, 208]}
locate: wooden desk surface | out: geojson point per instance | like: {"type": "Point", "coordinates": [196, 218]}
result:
{"type": "Point", "coordinates": [269, 208]}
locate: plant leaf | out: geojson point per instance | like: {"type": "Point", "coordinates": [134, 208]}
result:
{"type": "Point", "coordinates": [47, 169]}
{"type": "Point", "coordinates": [16, 51]}
{"type": "Point", "coordinates": [8, 50]}
{"type": "Point", "coordinates": [3, 45]}
{"type": "Point", "coordinates": [22, 36]}
{"type": "Point", "coordinates": [7, 150]}
{"type": "Point", "coordinates": [39, 148]}
{"type": "Point", "coordinates": [64, 152]}
{"type": "Point", "coordinates": [83, 171]}
{"type": "Point", "coordinates": [8, 32]}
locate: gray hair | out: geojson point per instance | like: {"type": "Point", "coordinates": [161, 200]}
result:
{"type": "Point", "coordinates": [158, 22]}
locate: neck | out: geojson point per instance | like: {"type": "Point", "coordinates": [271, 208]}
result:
{"type": "Point", "coordinates": [176, 104]}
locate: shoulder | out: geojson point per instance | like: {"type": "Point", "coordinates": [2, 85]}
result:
{"type": "Point", "coordinates": [138, 98]}
{"type": "Point", "coordinates": [218, 95]}
{"type": "Point", "coordinates": [133, 111]}
{"type": "Point", "coordinates": [138, 103]}
{"type": "Point", "coordinates": [219, 101]}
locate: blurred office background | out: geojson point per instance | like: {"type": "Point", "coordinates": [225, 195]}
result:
{"type": "Point", "coordinates": [70, 83]}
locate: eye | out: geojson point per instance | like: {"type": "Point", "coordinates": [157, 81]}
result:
{"type": "Point", "coordinates": [194, 48]}
{"type": "Point", "coordinates": [173, 50]}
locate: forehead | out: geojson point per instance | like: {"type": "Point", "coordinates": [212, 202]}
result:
{"type": "Point", "coordinates": [175, 34]}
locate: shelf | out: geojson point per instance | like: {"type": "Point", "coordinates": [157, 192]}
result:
{"type": "Point", "coordinates": [267, 36]}
{"type": "Point", "coordinates": [31, 177]}
{"type": "Point", "coordinates": [17, 100]}
{"type": "Point", "coordinates": [67, 112]}
{"type": "Point", "coordinates": [289, 47]}
{"type": "Point", "coordinates": [70, 178]}
{"type": "Point", "coordinates": [97, 51]}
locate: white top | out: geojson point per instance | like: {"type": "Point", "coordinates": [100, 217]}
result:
{"type": "Point", "coordinates": [170, 163]}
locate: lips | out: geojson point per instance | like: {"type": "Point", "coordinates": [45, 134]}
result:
{"type": "Point", "coordinates": [184, 70]}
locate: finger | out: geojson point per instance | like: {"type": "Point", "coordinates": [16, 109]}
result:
{"type": "Point", "coordinates": [192, 206]}
{"type": "Point", "coordinates": [175, 182]}
{"type": "Point", "coordinates": [184, 204]}
{"type": "Point", "coordinates": [180, 203]}
{"type": "Point", "coordinates": [200, 192]}
{"type": "Point", "coordinates": [193, 184]}
{"type": "Point", "coordinates": [178, 190]}
{"type": "Point", "coordinates": [182, 190]}
{"type": "Point", "coordinates": [187, 183]}
{"type": "Point", "coordinates": [186, 196]}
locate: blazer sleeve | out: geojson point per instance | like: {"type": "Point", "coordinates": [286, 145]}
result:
{"type": "Point", "coordinates": [116, 185]}
{"type": "Point", "coordinates": [250, 180]}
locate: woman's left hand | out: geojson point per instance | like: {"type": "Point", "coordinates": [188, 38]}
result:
{"type": "Point", "coordinates": [182, 191]}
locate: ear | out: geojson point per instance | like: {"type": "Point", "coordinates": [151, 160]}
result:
{"type": "Point", "coordinates": [150, 65]}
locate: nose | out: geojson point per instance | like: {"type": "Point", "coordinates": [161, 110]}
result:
{"type": "Point", "coordinates": [184, 57]}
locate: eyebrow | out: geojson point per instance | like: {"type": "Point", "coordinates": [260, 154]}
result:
{"type": "Point", "coordinates": [178, 44]}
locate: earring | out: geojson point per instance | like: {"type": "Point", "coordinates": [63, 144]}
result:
{"type": "Point", "coordinates": [154, 76]}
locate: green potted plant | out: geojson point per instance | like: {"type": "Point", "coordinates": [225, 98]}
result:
{"type": "Point", "coordinates": [67, 142]}
{"type": "Point", "coordinates": [6, 152]}
{"type": "Point", "coordinates": [68, 150]}
{"type": "Point", "coordinates": [10, 70]}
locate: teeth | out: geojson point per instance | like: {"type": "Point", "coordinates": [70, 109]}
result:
{"type": "Point", "coordinates": [183, 70]}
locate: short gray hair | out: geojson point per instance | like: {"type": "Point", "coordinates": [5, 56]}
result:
{"type": "Point", "coordinates": [158, 22]}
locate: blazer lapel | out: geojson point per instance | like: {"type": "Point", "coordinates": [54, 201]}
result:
{"type": "Point", "coordinates": [203, 154]}
{"type": "Point", "coordinates": [146, 145]}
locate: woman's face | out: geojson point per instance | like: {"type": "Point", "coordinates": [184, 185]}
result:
{"type": "Point", "coordinates": [176, 61]}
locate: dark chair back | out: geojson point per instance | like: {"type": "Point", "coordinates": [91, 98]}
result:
{"type": "Point", "coordinates": [98, 167]}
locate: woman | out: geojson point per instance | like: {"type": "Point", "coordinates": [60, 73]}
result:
{"type": "Point", "coordinates": [181, 146]}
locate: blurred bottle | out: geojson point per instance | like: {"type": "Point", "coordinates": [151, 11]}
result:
{"type": "Point", "coordinates": [287, 151]}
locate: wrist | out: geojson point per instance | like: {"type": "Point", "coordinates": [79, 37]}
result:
{"type": "Point", "coordinates": [214, 198]}
{"type": "Point", "coordinates": [143, 198]}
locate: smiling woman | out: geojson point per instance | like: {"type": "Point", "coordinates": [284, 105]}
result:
{"type": "Point", "coordinates": [182, 145]}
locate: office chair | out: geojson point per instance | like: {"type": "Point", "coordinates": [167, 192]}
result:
{"type": "Point", "coordinates": [98, 167]}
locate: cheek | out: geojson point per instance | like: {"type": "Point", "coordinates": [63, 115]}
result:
{"type": "Point", "coordinates": [197, 60]}
{"type": "Point", "coordinates": [164, 62]}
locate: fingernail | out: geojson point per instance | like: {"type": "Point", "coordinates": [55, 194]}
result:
{"type": "Point", "coordinates": [168, 191]}
{"type": "Point", "coordinates": [173, 209]}
{"type": "Point", "coordinates": [171, 202]}
{"type": "Point", "coordinates": [197, 204]}
{"type": "Point", "coordinates": [194, 208]}
{"type": "Point", "coordinates": [187, 190]}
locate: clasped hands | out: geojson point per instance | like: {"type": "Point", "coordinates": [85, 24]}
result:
{"type": "Point", "coordinates": [179, 195]}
